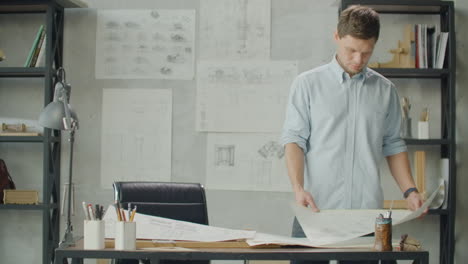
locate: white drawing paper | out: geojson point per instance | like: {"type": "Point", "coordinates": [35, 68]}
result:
{"type": "Point", "coordinates": [333, 226]}
{"type": "Point", "coordinates": [235, 29]}
{"type": "Point", "coordinates": [243, 96]}
{"type": "Point", "coordinates": [145, 44]}
{"type": "Point", "coordinates": [153, 227]}
{"type": "Point", "coordinates": [246, 161]}
{"type": "Point", "coordinates": [136, 135]}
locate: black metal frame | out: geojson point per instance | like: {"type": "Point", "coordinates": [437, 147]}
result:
{"type": "Point", "coordinates": [77, 254]}
{"type": "Point", "coordinates": [447, 77]}
{"type": "Point", "coordinates": [54, 20]}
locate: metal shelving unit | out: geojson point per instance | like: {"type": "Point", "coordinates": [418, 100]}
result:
{"type": "Point", "coordinates": [53, 11]}
{"type": "Point", "coordinates": [445, 10]}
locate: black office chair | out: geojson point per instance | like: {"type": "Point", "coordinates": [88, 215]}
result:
{"type": "Point", "coordinates": [178, 201]}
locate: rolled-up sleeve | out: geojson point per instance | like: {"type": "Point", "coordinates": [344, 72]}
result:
{"type": "Point", "coordinates": [392, 142]}
{"type": "Point", "coordinates": [296, 128]}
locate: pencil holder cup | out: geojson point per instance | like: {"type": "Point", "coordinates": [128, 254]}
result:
{"type": "Point", "coordinates": [125, 235]}
{"type": "Point", "coordinates": [94, 234]}
{"type": "Point", "coordinates": [383, 234]}
{"type": "Point", "coordinates": [423, 130]}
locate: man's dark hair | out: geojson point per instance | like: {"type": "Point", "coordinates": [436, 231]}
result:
{"type": "Point", "coordinates": [359, 22]}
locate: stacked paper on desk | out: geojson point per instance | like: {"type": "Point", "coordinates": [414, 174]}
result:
{"type": "Point", "coordinates": [331, 226]}
{"type": "Point", "coordinates": [153, 227]}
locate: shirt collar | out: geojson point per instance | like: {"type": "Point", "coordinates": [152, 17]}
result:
{"type": "Point", "coordinates": [342, 75]}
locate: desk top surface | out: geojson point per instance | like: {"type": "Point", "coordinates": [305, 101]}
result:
{"type": "Point", "coordinates": [236, 253]}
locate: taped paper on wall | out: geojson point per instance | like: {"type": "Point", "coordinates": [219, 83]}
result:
{"type": "Point", "coordinates": [246, 162]}
{"type": "Point", "coordinates": [243, 96]}
{"type": "Point", "coordinates": [235, 29]}
{"type": "Point", "coordinates": [145, 44]}
{"type": "Point", "coordinates": [136, 135]}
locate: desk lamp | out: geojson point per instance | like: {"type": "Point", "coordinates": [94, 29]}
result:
{"type": "Point", "coordinates": [60, 116]}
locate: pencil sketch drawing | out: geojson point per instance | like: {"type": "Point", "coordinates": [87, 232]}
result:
{"type": "Point", "coordinates": [235, 29]}
{"type": "Point", "coordinates": [233, 162]}
{"type": "Point", "coordinates": [142, 40]}
{"type": "Point", "coordinates": [252, 94]}
{"type": "Point", "coordinates": [271, 149]}
{"type": "Point", "coordinates": [225, 155]}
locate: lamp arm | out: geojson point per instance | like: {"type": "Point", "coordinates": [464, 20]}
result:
{"type": "Point", "coordinates": [67, 120]}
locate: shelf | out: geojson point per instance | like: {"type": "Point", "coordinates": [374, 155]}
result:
{"type": "Point", "coordinates": [412, 141]}
{"type": "Point", "coordinates": [438, 212]}
{"type": "Point", "coordinates": [36, 6]}
{"type": "Point", "coordinates": [413, 73]}
{"type": "Point", "coordinates": [21, 139]}
{"type": "Point", "coordinates": [22, 72]}
{"type": "Point", "coordinates": [25, 206]}
{"type": "Point", "coordinates": [414, 7]}
{"type": "Point", "coordinates": [26, 139]}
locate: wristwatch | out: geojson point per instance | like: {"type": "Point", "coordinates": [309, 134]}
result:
{"type": "Point", "coordinates": [410, 190]}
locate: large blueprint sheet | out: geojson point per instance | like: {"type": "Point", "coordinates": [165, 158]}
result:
{"type": "Point", "coordinates": [332, 226]}
{"type": "Point", "coordinates": [153, 227]}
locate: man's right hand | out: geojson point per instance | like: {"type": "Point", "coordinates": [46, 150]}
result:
{"type": "Point", "coordinates": [304, 198]}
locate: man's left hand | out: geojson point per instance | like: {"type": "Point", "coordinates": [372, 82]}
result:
{"type": "Point", "coordinates": [415, 202]}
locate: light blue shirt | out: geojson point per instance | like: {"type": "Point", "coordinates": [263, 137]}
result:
{"type": "Point", "coordinates": [345, 126]}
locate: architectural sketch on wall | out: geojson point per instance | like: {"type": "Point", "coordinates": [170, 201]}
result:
{"type": "Point", "coordinates": [225, 155]}
{"type": "Point", "coordinates": [249, 170]}
{"type": "Point", "coordinates": [145, 44]}
{"type": "Point", "coordinates": [272, 149]}
{"type": "Point", "coordinates": [235, 29]}
{"type": "Point", "coordinates": [136, 135]}
{"type": "Point", "coordinates": [243, 96]}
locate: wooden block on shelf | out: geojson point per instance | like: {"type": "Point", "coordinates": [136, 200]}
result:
{"type": "Point", "coordinates": [21, 197]}
{"type": "Point", "coordinates": [420, 171]}
{"type": "Point", "coordinates": [19, 134]}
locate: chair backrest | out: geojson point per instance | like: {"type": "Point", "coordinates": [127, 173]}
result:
{"type": "Point", "coordinates": [179, 201]}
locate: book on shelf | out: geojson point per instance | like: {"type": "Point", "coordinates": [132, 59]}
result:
{"type": "Point", "coordinates": [41, 56]}
{"type": "Point", "coordinates": [441, 49]}
{"type": "Point", "coordinates": [38, 49]}
{"type": "Point", "coordinates": [34, 45]}
{"type": "Point", "coordinates": [2, 55]}
{"type": "Point", "coordinates": [429, 47]}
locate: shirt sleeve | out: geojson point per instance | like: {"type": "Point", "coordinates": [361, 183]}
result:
{"type": "Point", "coordinates": [392, 142]}
{"type": "Point", "coordinates": [296, 128]}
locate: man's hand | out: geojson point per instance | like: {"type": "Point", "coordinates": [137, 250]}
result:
{"type": "Point", "coordinates": [304, 198]}
{"type": "Point", "coordinates": [415, 202]}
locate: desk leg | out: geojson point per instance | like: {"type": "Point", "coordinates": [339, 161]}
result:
{"type": "Point", "coordinates": [77, 261]}
{"type": "Point", "coordinates": [423, 260]}
{"type": "Point", "coordinates": [154, 260]}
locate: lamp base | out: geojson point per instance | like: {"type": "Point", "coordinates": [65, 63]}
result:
{"type": "Point", "coordinates": [67, 240]}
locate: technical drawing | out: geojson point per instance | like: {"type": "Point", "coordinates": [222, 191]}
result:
{"type": "Point", "coordinates": [233, 163]}
{"type": "Point", "coordinates": [225, 155]}
{"type": "Point", "coordinates": [253, 95]}
{"type": "Point", "coordinates": [230, 29]}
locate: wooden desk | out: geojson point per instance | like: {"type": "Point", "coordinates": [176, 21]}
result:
{"type": "Point", "coordinates": [77, 254]}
